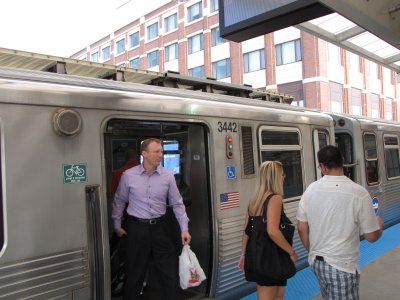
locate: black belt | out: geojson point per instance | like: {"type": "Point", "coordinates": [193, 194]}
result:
{"type": "Point", "coordinates": [320, 258]}
{"type": "Point", "coordinates": [147, 221]}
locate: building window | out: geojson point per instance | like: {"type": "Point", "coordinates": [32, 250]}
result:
{"type": "Point", "coordinates": [334, 54]}
{"type": "Point", "coordinates": [294, 89]}
{"type": "Point", "coordinates": [94, 57]}
{"type": "Point", "coordinates": [222, 69]}
{"type": "Point", "coordinates": [194, 12]}
{"type": "Point", "coordinates": [336, 93]}
{"type": "Point", "coordinates": [106, 53]}
{"type": "Point", "coordinates": [289, 52]}
{"type": "Point", "coordinates": [214, 5]}
{"type": "Point", "coordinates": [135, 63]}
{"type": "Point", "coordinates": [120, 46]}
{"type": "Point", "coordinates": [389, 109]}
{"type": "Point", "coordinates": [197, 72]}
{"type": "Point", "coordinates": [284, 145]}
{"type": "Point", "coordinates": [354, 62]}
{"type": "Point", "coordinates": [171, 23]}
{"type": "Point", "coordinates": [171, 52]}
{"type": "Point", "coordinates": [254, 61]}
{"type": "Point", "coordinates": [216, 39]}
{"type": "Point", "coordinates": [391, 145]}
{"type": "Point", "coordinates": [375, 106]}
{"type": "Point", "coordinates": [356, 102]}
{"type": "Point", "coordinates": [134, 39]}
{"type": "Point", "coordinates": [195, 43]}
{"type": "Point", "coordinates": [152, 31]}
{"type": "Point", "coordinates": [152, 59]}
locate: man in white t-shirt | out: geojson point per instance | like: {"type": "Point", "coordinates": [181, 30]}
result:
{"type": "Point", "coordinates": [333, 213]}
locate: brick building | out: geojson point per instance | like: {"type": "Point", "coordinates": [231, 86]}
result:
{"type": "Point", "coordinates": [184, 37]}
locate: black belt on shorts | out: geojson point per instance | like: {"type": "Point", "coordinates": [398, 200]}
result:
{"type": "Point", "coordinates": [320, 258]}
{"type": "Point", "coordinates": [147, 221]}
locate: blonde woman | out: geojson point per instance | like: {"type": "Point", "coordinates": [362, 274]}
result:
{"type": "Point", "coordinates": [269, 188]}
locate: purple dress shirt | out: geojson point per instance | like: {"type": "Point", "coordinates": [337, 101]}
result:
{"type": "Point", "coordinates": [147, 196]}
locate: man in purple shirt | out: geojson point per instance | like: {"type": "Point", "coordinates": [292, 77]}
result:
{"type": "Point", "coordinates": [146, 188]}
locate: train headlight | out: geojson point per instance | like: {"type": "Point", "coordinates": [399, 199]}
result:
{"type": "Point", "coordinates": [67, 122]}
{"type": "Point", "coordinates": [341, 122]}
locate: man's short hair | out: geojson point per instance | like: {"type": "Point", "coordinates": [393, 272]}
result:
{"type": "Point", "coordinates": [145, 143]}
{"type": "Point", "coordinates": [331, 157]}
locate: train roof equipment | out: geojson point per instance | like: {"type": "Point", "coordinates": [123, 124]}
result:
{"type": "Point", "coordinates": [40, 62]}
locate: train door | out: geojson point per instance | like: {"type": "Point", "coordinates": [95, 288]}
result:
{"type": "Point", "coordinates": [185, 154]}
{"type": "Point", "coordinates": [344, 142]}
{"type": "Point", "coordinates": [320, 140]}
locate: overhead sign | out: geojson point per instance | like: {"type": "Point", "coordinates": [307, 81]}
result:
{"type": "Point", "coordinates": [244, 19]}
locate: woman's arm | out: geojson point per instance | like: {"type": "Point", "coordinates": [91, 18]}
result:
{"type": "Point", "coordinates": [273, 223]}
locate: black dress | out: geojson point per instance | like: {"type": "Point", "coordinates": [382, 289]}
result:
{"type": "Point", "coordinates": [258, 223]}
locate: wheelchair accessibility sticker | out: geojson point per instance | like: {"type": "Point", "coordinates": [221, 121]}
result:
{"type": "Point", "coordinates": [375, 204]}
{"type": "Point", "coordinates": [230, 172]}
{"type": "Point", "coordinates": [74, 173]}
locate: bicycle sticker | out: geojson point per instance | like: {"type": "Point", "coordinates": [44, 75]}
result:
{"type": "Point", "coordinates": [74, 173]}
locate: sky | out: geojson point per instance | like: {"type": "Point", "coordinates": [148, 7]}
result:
{"type": "Point", "coordinates": [63, 27]}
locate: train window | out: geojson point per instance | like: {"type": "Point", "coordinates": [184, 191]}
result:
{"type": "Point", "coordinates": [284, 145]}
{"type": "Point", "coordinates": [320, 139]}
{"type": "Point", "coordinates": [172, 156]}
{"type": "Point", "coordinates": [371, 159]}
{"type": "Point", "coordinates": [279, 138]}
{"type": "Point", "coordinates": [392, 156]}
{"type": "Point", "coordinates": [345, 144]}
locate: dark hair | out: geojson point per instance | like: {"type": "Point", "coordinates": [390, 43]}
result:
{"type": "Point", "coordinates": [145, 143]}
{"type": "Point", "coordinates": [331, 157]}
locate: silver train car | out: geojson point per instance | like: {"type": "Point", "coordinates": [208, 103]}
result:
{"type": "Point", "coordinates": [371, 150]}
{"type": "Point", "coordinates": [61, 139]}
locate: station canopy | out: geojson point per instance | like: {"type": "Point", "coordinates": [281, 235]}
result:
{"type": "Point", "coordinates": [338, 30]}
{"type": "Point", "coordinates": [368, 28]}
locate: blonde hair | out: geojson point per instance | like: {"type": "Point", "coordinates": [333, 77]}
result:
{"type": "Point", "coordinates": [270, 180]}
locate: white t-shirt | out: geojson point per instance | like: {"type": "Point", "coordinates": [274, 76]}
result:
{"type": "Point", "coordinates": [338, 211]}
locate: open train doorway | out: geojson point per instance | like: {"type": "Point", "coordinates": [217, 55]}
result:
{"type": "Point", "coordinates": [186, 155]}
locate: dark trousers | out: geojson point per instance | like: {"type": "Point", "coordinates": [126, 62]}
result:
{"type": "Point", "coordinates": [145, 242]}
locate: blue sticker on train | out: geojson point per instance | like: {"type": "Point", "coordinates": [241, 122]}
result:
{"type": "Point", "coordinates": [375, 204]}
{"type": "Point", "coordinates": [230, 172]}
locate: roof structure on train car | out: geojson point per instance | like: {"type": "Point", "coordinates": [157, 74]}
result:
{"type": "Point", "coordinates": [40, 62]}
{"type": "Point", "coordinates": [366, 121]}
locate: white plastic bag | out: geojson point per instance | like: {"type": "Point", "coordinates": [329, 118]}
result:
{"type": "Point", "coordinates": [190, 272]}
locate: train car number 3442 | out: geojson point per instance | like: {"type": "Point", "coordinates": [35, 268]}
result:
{"type": "Point", "coordinates": [227, 126]}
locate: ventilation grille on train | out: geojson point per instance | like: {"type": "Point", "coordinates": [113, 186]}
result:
{"type": "Point", "coordinates": [47, 277]}
{"type": "Point", "coordinates": [247, 146]}
{"type": "Point", "coordinates": [230, 248]}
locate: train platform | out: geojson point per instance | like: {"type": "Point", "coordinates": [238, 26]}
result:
{"type": "Point", "coordinates": [380, 272]}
